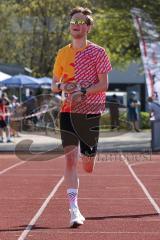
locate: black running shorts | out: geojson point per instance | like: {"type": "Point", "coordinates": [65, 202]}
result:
{"type": "Point", "coordinates": [80, 129]}
{"type": "Point", "coordinates": [2, 124]}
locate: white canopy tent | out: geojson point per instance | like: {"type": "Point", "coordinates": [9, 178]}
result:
{"type": "Point", "coordinates": [4, 76]}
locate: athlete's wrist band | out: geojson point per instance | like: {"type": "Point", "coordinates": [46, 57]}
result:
{"type": "Point", "coordinates": [83, 90]}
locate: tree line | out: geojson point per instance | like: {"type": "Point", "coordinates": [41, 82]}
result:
{"type": "Point", "coordinates": [32, 31]}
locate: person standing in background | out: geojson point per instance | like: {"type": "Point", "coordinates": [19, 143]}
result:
{"type": "Point", "coordinates": [154, 109]}
{"type": "Point", "coordinates": [15, 125]}
{"type": "Point", "coordinates": [114, 111]}
{"type": "Point", "coordinates": [5, 118]}
{"type": "Point", "coordinates": [31, 104]}
{"type": "Point", "coordinates": [133, 111]}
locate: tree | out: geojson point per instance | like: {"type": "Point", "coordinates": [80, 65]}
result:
{"type": "Point", "coordinates": [38, 29]}
{"type": "Point", "coordinates": [6, 35]}
{"type": "Point", "coordinates": [32, 31]}
{"type": "Point", "coordinates": [115, 31]}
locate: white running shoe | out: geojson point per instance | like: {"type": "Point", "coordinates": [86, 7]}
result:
{"type": "Point", "coordinates": [82, 217]}
{"type": "Point", "coordinates": [76, 218]}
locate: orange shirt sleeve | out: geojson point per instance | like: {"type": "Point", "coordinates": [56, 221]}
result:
{"type": "Point", "coordinates": [58, 69]}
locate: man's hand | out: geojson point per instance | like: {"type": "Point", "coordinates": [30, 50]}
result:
{"type": "Point", "coordinates": [70, 87]}
{"type": "Point", "coordinates": [76, 96]}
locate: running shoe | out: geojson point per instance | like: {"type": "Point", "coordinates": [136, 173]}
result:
{"type": "Point", "coordinates": [76, 218]}
{"type": "Point", "coordinates": [82, 217]}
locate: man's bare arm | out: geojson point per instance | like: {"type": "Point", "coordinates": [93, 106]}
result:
{"type": "Point", "coordinates": [101, 86]}
{"type": "Point", "coordinates": [55, 85]}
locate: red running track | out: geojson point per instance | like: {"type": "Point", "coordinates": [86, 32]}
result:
{"type": "Point", "coordinates": [120, 200]}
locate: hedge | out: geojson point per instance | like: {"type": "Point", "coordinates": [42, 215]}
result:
{"type": "Point", "coordinates": [124, 123]}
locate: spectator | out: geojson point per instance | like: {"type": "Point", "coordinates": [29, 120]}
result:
{"type": "Point", "coordinates": [31, 105]}
{"type": "Point", "coordinates": [133, 111]}
{"type": "Point", "coordinates": [4, 118]}
{"type": "Point", "coordinates": [114, 112]}
{"type": "Point", "coordinates": [15, 126]}
{"type": "Point", "coordinates": [156, 87]}
{"type": "Point", "coordinates": [154, 109]}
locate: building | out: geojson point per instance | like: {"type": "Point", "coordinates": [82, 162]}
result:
{"type": "Point", "coordinates": [14, 69]}
{"type": "Point", "coordinates": [129, 80]}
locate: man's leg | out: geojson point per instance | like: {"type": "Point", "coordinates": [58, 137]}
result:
{"type": "Point", "coordinates": [88, 163]}
{"type": "Point", "coordinates": [71, 157]}
{"type": "Point", "coordinates": [72, 183]}
{"type": "Point", "coordinates": [1, 135]}
{"type": "Point", "coordinates": [111, 122]}
{"type": "Point", "coordinates": [88, 136]}
{"type": "Point", "coordinates": [8, 133]}
{"type": "Point", "coordinates": [88, 155]}
{"type": "Point", "coordinates": [136, 126]}
{"type": "Point", "coordinates": [70, 144]}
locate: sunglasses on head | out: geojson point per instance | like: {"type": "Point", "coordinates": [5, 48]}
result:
{"type": "Point", "coordinates": [77, 21]}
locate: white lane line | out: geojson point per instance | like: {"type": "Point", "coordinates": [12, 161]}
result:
{"type": "Point", "coordinates": [93, 232]}
{"type": "Point", "coordinates": [34, 175]}
{"type": "Point", "coordinates": [80, 198]}
{"type": "Point", "coordinates": [146, 192]}
{"type": "Point", "coordinates": [108, 198]}
{"type": "Point", "coordinates": [140, 163]}
{"type": "Point", "coordinates": [40, 211]}
{"type": "Point", "coordinates": [58, 175]}
{"type": "Point", "coordinates": [11, 167]}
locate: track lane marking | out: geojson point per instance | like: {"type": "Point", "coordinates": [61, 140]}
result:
{"type": "Point", "coordinates": [59, 175]}
{"type": "Point", "coordinates": [81, 198]}
{"type": "Point", "coordinates": [140, 163]}
{"type": "Point", "coordinates": [146, 192]}
{"type": "Point", "coordinates": [95, 232]}
{"type": "Point", "coordinates": [40, 211]}
{"type": "Point", "coordinates": [11, 167]}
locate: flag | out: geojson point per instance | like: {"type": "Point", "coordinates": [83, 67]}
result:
{"type": "Point", "coordinates": [150, 49]}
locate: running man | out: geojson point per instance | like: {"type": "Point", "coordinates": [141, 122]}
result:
{"type": "Point", "coordinates": [80, 73]}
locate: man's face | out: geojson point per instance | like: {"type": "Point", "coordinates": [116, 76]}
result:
{"type": "Point", "coordinates": [78, 27]}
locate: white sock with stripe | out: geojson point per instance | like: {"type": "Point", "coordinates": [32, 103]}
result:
{"type": "Point", "coordinates": [72, 196]}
